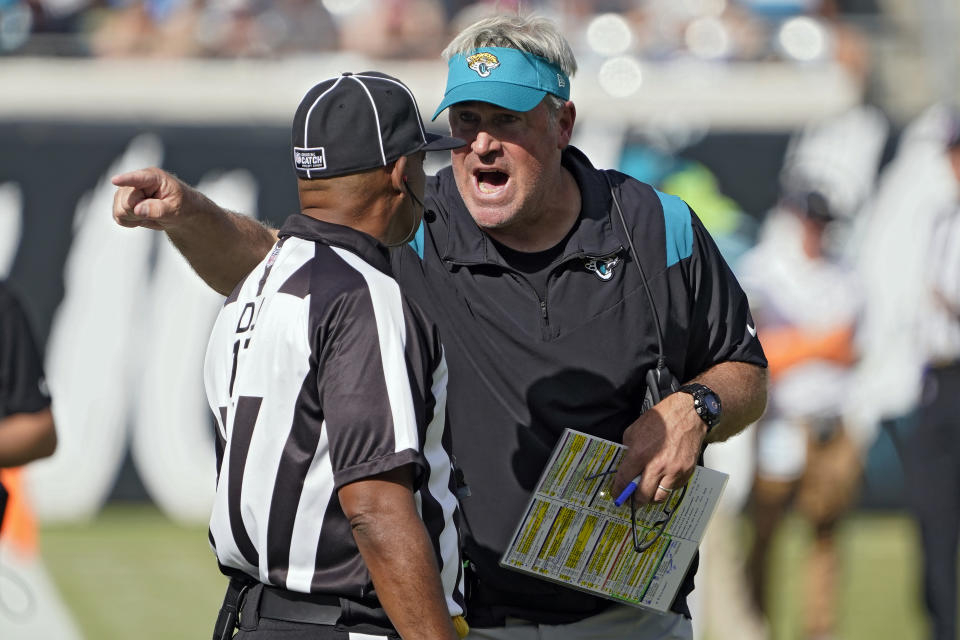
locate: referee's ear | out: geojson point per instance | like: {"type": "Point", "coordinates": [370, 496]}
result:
{"type": "Point", "coordinates": [398, 174]}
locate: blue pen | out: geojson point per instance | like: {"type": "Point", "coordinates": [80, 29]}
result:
{"type": "Point", "coordinates": [631, 487]}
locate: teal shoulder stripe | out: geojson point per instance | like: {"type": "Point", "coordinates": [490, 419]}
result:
{"type": "Point", "coordinates": [417, 243]}
{"type": "Point", "coordinates": [679, 229]}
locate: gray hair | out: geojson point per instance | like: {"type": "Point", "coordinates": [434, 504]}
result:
{"type": "Point", "coordinates": [533, 34]}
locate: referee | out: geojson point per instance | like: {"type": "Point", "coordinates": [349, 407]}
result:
{"type": "Point", "coordinates": [932, 448]}
{"type": "Point", "coordinates": [334, 513]}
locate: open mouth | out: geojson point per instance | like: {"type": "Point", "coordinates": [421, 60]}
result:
{"type": "Point", "coordinates": [490, 181]}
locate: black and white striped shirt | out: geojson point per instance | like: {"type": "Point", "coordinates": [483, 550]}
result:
{"type": "Point", "coordinates": [320, 373]}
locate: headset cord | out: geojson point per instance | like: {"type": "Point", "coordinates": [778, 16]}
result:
{"type": "Point", "coordinates": [661, 359]}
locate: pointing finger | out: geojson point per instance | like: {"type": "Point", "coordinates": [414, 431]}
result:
{"type": "Point", "coordinates": [147, 180]}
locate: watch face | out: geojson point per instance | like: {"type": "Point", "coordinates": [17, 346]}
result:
{"type": "Point", "coordinates": [711, 404]}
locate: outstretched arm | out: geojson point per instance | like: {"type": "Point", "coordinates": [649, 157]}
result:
{"type": "Point", "coordinates": [221, 246]}
{"type": "Point", "coordinates": [395, 546]}
{"type": "Point", "coordinates": [664, 443]}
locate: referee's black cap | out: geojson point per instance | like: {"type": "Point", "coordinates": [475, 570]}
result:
{"type": "Point", "coordinates": [356, 122]}
{"type": "Point", "coordinates": [810, 203]}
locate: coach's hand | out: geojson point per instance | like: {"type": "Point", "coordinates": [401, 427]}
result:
{"type": "Point", "coordinates": [221, 246]}
{"type": "Point", "coordinates": [663, 446]}
{"type": "Point", "coordinates": [150, 198]}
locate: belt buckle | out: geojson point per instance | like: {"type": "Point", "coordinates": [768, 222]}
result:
{"type": "Point", "coordinates": [241, 602]}
{"type": "Point", "coordinates": [228, 620]}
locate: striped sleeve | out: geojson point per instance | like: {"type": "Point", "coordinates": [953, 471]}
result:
{"type": "Point", "coordinates": [365, 388]}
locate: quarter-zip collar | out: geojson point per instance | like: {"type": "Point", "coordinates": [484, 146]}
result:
{"type": "Point", "coordinates": [593, 236]}
{"type": "Point", "coordinates": [363, 244]}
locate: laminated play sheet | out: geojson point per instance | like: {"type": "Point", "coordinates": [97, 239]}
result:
{"type": "Point", "coordinates": [573, 533]}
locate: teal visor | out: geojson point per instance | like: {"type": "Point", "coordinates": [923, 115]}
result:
{"type": "Point", "coordinates": [506, 77]}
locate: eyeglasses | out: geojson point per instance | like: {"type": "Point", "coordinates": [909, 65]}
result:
{"type": "Point", "coordinates": [651, 533]}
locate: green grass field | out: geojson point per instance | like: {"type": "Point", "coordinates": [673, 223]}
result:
{"type": "Point", "coordinates": [132, 573]}
{"type": "Point", "coordinates": [880, 583]}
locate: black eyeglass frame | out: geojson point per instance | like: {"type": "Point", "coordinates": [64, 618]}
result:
{"type": "Point", "coordinates": [670, 506]}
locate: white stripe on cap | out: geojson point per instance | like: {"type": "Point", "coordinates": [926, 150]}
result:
{"type": "Point", "coordinates": [423, 133]}
{"type": "Point", "coordinates": [376, 116]}
{"type": "Point", "coordinates": [306, 121]}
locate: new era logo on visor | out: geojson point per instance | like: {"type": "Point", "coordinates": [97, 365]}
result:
{"type": "Point", "coordinates": [313, 158]}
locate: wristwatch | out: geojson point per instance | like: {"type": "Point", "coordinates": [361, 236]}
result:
{"type": "Point", "coordinates": [705, 402]}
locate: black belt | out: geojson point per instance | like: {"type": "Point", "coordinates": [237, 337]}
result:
{"type": "Point", "coordinates": [247, 601]}
{"type": "Point", "coordinates": [280, 604]}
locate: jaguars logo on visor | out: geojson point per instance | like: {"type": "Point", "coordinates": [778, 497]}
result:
{"type": "Point", "coordinates": [483, 63]}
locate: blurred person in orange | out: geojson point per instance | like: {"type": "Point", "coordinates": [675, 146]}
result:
{"type": "Point", "coordinates": [931, 449]}
{"type": "Point", "coordinates": [806, 303]}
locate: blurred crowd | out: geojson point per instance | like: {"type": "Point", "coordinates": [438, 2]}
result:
{"type": "Point", "coordinates": [852, 278]}
{"type": "Point", "coordinates": [796, 30]}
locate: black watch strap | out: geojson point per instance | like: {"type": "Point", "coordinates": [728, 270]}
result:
{"type": "Point", "coordinates": [705, 402]}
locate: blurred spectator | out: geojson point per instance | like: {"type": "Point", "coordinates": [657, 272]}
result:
{"type": "Point", "coordinates": [16, 24]}
{"type": "Point", "coordinates": [805, 303]}
{"type": "Point", "coordinates": [932, 448]}
{"type": "Point", "coordinates": [890, 247]}
{"type": "Point", "coordinates": [463, 13]}
{"type": "Point", "coordinates": [396, 29]}
{"type": "Point", "coordinates": [232, 29]}
{"type": "Point", "coordinates": [292, 26]}
{"type": "Point", "coordinates": [213, 28]}
{"type": "Point", "coordinates": [715, 30]}
{"type": "Point", "coordinates": [138, 29]}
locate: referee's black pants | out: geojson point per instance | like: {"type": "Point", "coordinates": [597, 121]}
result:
{"type": "Point", "coordinates": [932, 474]}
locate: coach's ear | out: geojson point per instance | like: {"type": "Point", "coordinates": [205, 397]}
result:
{"type": "Point", "coordinates": [565, 119]}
